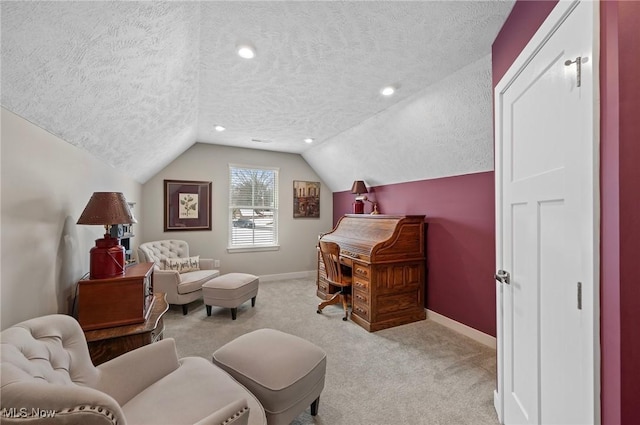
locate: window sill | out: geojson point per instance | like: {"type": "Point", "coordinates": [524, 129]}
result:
{"type": "Point", "coordinates": [234, 249]}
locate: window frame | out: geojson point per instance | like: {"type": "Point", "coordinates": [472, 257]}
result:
{"type": "Point", "coordinates": [274, 245]}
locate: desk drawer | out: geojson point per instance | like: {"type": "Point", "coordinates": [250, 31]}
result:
{"type": "Point", "coordinates": [361, 310]}
{"type": "Point", "coordinates": [323, 286]}
{"type": "Point", "coordinates": [361, 297]}
{"type": "Point", "coordinates": [325, 289]}
{"type": "Point", "coordinates": [362, 284]}
{"type": "Point", "coordinates": [360, 270]}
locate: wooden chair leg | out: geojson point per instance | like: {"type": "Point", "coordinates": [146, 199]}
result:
{"type": "Point", "coordinates": [314, 406]}
{"type": "Point", "coordinates": [333, 300]}
{"type": "Point", "coordinates": [345, 306]}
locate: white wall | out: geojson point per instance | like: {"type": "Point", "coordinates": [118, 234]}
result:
{"type": "Point", "coordinates": [204, 162]}
{"type": "Point", "coordinates": [46, 183]}
{"type": "Point", "coordinates": [111, 77]}
{"type": "Point", "coordinates": [444, 130]}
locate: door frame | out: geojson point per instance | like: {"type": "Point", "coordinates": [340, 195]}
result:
{"type": "Point", "coordinates": [557, 16]}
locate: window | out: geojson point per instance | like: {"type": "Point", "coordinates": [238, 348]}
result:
{"type": "Point", "coordinates": [253, 207]}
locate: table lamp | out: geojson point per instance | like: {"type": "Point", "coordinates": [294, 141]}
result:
{"type": "Point", "coordinates": [358, 188]}
{"type": "Point", "coordinates": [107, 257]}
{"type": "Point", "coordinates": [358, 206]}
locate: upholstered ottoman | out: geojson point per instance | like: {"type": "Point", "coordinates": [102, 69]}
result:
{"type": "Point", "coordinates": [230, 290]}
{"type": "Point", "coordinates": [285, 372]}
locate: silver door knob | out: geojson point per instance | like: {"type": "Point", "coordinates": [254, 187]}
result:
{"type": "Point", "coordinates": [502, 276]}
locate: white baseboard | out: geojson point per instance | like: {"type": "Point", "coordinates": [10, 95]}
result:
{"type": "Point", "coordinates": [465, 330]}
{"type": "Point", "coordinates": [497, 405]}
{"type": "Point", "coordinates": [284, 276]}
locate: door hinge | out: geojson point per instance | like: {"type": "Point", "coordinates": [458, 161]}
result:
{"type": "Point", "coordinates": [502, 276]}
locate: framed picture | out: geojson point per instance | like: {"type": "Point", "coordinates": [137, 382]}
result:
{"type": "Point", "coordinates": [306, 199]}
{"type": "Point", "coordinates": [187, 205]}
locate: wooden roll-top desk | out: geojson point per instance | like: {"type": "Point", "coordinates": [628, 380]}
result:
{"type": "Point", "coordinates": [386, 254]}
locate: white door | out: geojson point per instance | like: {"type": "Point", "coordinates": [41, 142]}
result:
{"type": "Point", "coordinates": [546, 224]}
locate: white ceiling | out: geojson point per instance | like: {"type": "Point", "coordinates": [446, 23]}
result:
{"type": "Point", "coordinates": [137, 83]}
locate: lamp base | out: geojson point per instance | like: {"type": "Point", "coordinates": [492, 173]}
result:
{"type": "Point", "coordinates": [358, 207]}
{"type": "Point", "coordinates": [106, 259]}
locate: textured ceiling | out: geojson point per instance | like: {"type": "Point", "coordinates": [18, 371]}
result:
{"type": "Point", "coordinates": [137, 83]}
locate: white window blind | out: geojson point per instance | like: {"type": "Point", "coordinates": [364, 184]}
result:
{"type": "Point", "coordinates": [253, 206]}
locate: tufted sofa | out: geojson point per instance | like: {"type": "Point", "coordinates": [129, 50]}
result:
{"type": "Point", "coordinates": [47, 378]}
{"type": "Point", "coordinates": [181, 288]}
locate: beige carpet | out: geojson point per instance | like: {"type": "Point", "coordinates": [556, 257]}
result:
{"type": "Point", "coordinates": [415, 374]}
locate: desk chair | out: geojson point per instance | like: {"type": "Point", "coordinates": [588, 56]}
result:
{"type": "Point", "coordinates": [330, 252]}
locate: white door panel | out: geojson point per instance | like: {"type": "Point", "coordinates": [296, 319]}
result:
{"type": "Point", "coordinates": [546, 238]}
{"type": "Point", "coordinates": [520, 363]}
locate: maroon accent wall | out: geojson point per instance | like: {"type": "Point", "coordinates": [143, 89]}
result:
{"type": "Point", "coordinates": [610, 210]}
{"type": "Point", "coordinates": [629, 146]}
{"type": "Point", "coordinates": [620, 232]}
{"type": "Point", "coordinates": [460, 217]}
{"type": "Point", "coordinates": [523, 21]}
{"type": "Point", "coordinates": [620, 195]}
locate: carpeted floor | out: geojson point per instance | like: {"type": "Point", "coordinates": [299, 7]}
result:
{"type": "Point", "coordinates": [416, 374]}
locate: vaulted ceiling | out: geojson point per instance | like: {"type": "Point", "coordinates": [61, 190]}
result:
{"type": "Point", "coordinates": [137, 83]}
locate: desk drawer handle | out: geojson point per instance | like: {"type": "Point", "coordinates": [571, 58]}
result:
{"type": "Point", "coordinates": [360, 297]}
{"type": "Point", "coordinates": [361, 284]}
{"type": "Point", "coordinates": [361, 310]}
{"type": "Point", "coordinates": [361, 271]}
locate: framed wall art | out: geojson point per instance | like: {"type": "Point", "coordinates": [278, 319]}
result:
{"type": "Point", "coordinates": [306, 199]}
{"type": "Point", "coordinates": [187, 205]}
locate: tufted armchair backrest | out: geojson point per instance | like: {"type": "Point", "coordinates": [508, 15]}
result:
{"type": "Point", "coordinates": [49, 349]}
{"type": "Point", "coordinates": [47, 377]}
{"type": "Point", "coordinates": [158, 251]}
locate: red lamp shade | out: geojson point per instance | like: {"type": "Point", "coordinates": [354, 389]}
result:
{"type": "Point", "coordinates": [107, 257]}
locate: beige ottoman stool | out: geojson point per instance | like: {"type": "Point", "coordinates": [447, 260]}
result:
{"type": "Point", "coordinates": [285, 372]}
{"type": "Point", "coordinates": [230, 290]}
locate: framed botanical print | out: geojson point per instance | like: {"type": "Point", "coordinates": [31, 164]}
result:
{"type": "Point", "coordinates": [306, 199]}
{"type": "Point", "coordinates": [187, 205]}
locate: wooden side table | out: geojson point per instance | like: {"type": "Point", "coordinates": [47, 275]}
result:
{"type": "Point", "coordinates": [105, 344]}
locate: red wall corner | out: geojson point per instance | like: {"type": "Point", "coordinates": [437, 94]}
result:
{"type": "Point", "coordinates": [619, 189]}
{"type": "Point", "coordinates": [460, 217]}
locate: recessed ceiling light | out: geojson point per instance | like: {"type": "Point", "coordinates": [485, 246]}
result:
{"type": "Point", "coordinates": [308, 140]}
{"type": "Point", "coordinates": [388, 91]}
{"type": "Point", "coordinates": [246, 51]}
{"type": "Point", "coordinates": [219, 128]}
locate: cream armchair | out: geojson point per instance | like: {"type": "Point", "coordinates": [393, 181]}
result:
{"type": "Point", "coordinates": [181, 287]}
{"type": "Point", "coordinates": [47, 378]}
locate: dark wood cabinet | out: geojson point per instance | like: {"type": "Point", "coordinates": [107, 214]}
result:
{"type": "Point", "coordinates": [386, 255]}
{"type": "Point", "coordinates": [105, 344]}
{"type": "Point", "coordinates": [117, 301]}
